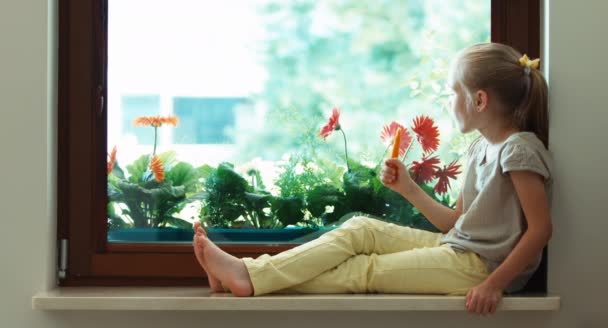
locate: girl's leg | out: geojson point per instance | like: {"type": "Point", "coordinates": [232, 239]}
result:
{"type": "Point", "coordinates": [436, 270]}
{"type": "Point", "coordinates": [359, 235]}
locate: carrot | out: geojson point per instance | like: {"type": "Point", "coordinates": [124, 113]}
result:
{"type": "Point", "coordinates": [396, 144]}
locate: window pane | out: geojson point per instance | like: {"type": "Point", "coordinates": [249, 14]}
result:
{"type": "Point", "coordinates": [133, 107]}
{"type": "Point", "coordinates": [205, 120]}
{"type": "Point", "coordinates": [230, 97]}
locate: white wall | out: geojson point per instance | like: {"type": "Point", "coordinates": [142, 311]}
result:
{"type": "Point", "coordinates": [578, 268]}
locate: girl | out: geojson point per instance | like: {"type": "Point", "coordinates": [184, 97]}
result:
{"type": "Point", "coordinates": [489, 243]}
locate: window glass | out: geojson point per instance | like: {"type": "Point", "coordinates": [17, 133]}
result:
{"type": "Point", "coordinates": [133, 107]}
{"type": "Point", "coordinates": [205, 120]}
{"type": "Point", "coordinates": [215, 111]}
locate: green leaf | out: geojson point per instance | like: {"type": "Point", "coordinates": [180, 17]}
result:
{"type": "Point", "coordinates": [169, 159]}
{"type": "Point", "coordinates": [360, 186]}
{"type": "Point", "coordinates": [225, 196]}
{"type": "Point", "coordinates": [226, 180]}
{"type": "Point", "coordinates": [289, 210]}
{"type": "Point", "coordinates": [258, 200]}
{"type": "Point", "coordinates": [259, 182]}
{"type": "Point", "coordinates": [398, 209]}
{"type": "Point", "coordinates": [331, 171]}
{"type": "Point", "coordinates": [138, 169]}
{"type": "Point", "coordinates": [326, 195]}
{"type": "Point", "coordinates": [117, 171]}
{"type": "Point", "coordinates": [183, 174]}
{"type": "Point", "coordinates": [114, 220]}
{"type": "Point", "coordinates": [205, 171]}
{"type": "Point", "coordinates": [152, 204]}
{"type": "Point", "coordinates": [114, 192]}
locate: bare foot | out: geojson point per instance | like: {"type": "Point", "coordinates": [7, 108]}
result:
{"type": "Point", "coordinates": [214, 283]}
{"type": "Point", "coordinates": [231, 270]}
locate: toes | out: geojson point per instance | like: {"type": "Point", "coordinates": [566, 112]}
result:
{"type": "Point", "coordinates": [199, 245]}
{"type": "Point", "coordinates": [201, 240]}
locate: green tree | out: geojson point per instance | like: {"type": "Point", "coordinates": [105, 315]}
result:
{"type": "Point", "coordinates": [378, 61]}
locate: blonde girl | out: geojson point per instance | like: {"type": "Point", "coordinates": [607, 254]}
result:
{"type": "Point", "coordinates": [490, 243]}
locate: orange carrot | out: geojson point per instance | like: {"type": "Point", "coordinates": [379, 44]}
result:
{"type": "Point", "coordinates": [396, 144]}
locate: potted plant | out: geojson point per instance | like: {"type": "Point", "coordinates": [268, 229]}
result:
{"type": "Point", "coordinates": [312, 200]}
{"type": "Point", "coordinates": [235, 210]}
{"type": "Point", "coordinates": [311, 195]}
{"type": "Point", "coordinates": [143, 205]}
{"type": "Point", "coordinates": [365, 193]}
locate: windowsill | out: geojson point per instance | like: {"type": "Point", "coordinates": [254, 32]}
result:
{"type": "Point", "coordinates": [201, 299]}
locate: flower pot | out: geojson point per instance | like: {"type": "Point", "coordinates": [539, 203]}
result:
{"type": "Point", "coordinates": [150, 235]}
{"type": "Point", "coordinates": [295, 235]}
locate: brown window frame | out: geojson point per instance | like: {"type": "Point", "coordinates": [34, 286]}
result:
{"type": "Point", "coordinates": [82, 137]}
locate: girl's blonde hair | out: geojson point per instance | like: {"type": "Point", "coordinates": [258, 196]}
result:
{"type": "Point", "coordinates": [522, 91]}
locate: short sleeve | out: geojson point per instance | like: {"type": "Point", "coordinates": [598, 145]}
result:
{"type": "Point", "coordinates": [522, 157]}
{"type": "Point", "coordinates": [474, 149]}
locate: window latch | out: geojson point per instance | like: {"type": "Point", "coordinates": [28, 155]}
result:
{"type": "Point", "coordinates": [62, 268]}
{"type": "Point", "coordinates": [100, 96]}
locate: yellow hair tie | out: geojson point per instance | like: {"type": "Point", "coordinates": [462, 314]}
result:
{"type": "Point", "coordinates": [525, 62]}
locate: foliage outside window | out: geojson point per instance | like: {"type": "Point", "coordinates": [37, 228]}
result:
{"type": "Point", "coordinates": [267, 167]}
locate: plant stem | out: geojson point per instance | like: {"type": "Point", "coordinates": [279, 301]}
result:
{"type": "Point", "coordinates": [155, 136]}
{"type": "Point", "coordinates": [345, 149]}
{"type": "Point", "coordinates": [407, 151]}
{"type": "Point", "coordinates": [383, 155]}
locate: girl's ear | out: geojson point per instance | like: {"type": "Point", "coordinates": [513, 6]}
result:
{"type": "Point", "coordinates": [481, 100]}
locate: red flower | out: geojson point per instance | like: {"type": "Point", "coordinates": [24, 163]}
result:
{"type": "Point", "coordinates": [390, 131]}
{"type": "Point", "coordinates": [112, 160]}
{"type": "Point", "coordinates": [332, 125]}
{"type": "Point", "coordinates": [424, 171]}
{"type": "Point", "coordinates": [443, 174]}
{"type": "Point", "coordinates": [427, 133]}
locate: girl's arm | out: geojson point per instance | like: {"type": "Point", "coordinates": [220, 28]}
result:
{"type": "Point", "coordinates": [531, 193]}
{"type": "Point", "coordinates": [530, 190]}
{"type": "Point", "coordinates": [440, 216]}
{"type": "Point", "coordinates": [396, 177]}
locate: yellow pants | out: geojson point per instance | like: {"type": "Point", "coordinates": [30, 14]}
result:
{"type": "Point", "coordinates": [365, 255]}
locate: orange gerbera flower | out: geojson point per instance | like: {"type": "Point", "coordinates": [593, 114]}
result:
{"type": "Point", "coordinates": [112, 160]}
{"type": "Point", "coordinates": [156, 166]}
{"type": "Point", "coordinates": [427, 133]}
{"type": "Point", "coordinates": [332, 125]}
{"type": "Point", "coordinates": [389, 132]}
{"type": "Point", "coordinates": [443, 175]}
{"type": "Point", "coordinates": [155, 121]}
{"type": "Point", "coordinates": [424, 171]}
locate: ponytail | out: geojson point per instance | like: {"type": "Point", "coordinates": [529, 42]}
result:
{"type": "Point", "coordinates": [532, 114]}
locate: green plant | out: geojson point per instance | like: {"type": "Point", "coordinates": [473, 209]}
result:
{"type": "Point", "coordinates": [156, 189]}
{"type": "Point", "coordinates": [322, 195]}
{"type": "Point", "coordinates": [146, 202]}
{"type": "Point", "coordinates": [366, 194]}
{"type": "Point", "coordinates": [230, 201]}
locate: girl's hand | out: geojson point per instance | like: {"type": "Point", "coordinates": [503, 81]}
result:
{"type": "Point", "coordinates": [396, 177]}
{"type": "Point", "coordinates": [483, 299]}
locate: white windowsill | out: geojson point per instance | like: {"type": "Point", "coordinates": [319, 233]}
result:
{"type": "Point", "coordinates": [201, 299]}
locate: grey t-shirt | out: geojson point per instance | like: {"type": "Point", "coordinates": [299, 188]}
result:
{"type": "Point", "coordinates": [492, 220]}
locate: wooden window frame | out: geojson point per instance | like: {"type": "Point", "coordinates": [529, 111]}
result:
{"type": "Point", "coordinates": [82, 137]}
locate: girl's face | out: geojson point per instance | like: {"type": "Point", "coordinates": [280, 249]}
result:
{"type": "Point", "coordinates": [462, 109]}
